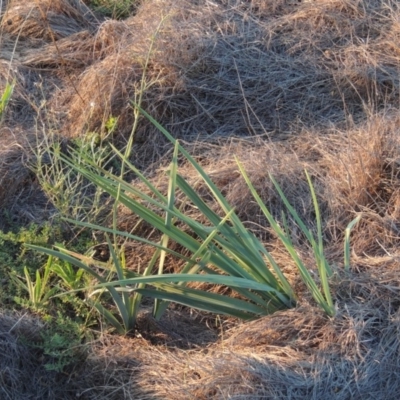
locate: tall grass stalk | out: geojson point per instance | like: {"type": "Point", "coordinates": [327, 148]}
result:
{"type": "Point", "coordinates": [351, 225]}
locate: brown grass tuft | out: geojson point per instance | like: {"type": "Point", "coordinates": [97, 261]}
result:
{"type": "Point", "coordinates": [48, 20]}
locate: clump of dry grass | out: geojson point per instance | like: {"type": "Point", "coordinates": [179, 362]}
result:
{"type": "Point", "coordinates": [80, 49]}
{"type": "Point", "coordinates": [22, 374]}
{"type": "Point", "coordinates": [11, 164]}
{"type": "Point", "coordinates": [48, 20]}
{"type": "Point", "coordinates": [361, 164]}
{"type": "Point", "coordinates": [293, 354]}
{"type": "Point", "coordinates": [219, 70]}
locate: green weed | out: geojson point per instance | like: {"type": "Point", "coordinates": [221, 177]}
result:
{"type": "Point", "coordinates": [39, 291]}
{"type": "Point", "coordinates": [5, 98]}
{"type": "Point", "coordinates": [71, 194]}
{"type": "Point", "coordinates": [62, 343]}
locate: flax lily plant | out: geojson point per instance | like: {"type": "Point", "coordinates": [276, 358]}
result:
{"type": "Point", "coordinates": [221, 250]}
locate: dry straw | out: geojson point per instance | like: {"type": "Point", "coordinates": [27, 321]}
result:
{"type": "Point", "coordinates": [324, 77]}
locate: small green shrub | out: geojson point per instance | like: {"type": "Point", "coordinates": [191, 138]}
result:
{"type": "Point", "coordinates": [62, 343]}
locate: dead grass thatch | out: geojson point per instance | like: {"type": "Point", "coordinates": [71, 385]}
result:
{"type": "Point", "coordinates": [48, 20]}
{"type": "Point", "coordinates": [285, 86]}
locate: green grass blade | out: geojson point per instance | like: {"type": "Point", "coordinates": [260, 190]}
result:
{"type": "Point", "coordinates": [127, 235]}
{"type": "Point", "coordinates": [123, 305]}
{"type": "Point", "coordinates": [158, 308]}
{"type": "Point", "coordinates": [323, 266]}
{"type": "Point", "coordinates": [350, 226]}
{"type": "Point", "coordinates": [110, 318]}
{"type": "Point", "coordinates": [319, 255]}
{"type": "Point", "coordinates": [306, 276]}
{"type": "Point", "coordinates": [137, 297]}
{"type": "Point", "coordinates": [5, 97]}
{"type": "Point", "coordinates": [207, 301]}
{"type": "Point", "coordinates": [37, 288]}
{"type": "Point", "coordinates": [29, 284]}
{"type": "Point", "coordinates": [214, 279]}
{"type": "Point", "coordinates": [274, 225]}
{"type": "Point", "coordinates": [317, 248]}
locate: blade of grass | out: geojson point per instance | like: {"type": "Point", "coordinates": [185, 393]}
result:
{"type": "Point", "coordinates": [306, 276]}
{"type": "Point", "coordinates": [323, 266]}
{"type": "Point", "coordinates": [158, 307]}
{"type": "Point", "coordinates": [204, 303]}
{"type": "Point", "coordinates": [123, 305]}
{"type": "Point", "coordinates": [350, 226]}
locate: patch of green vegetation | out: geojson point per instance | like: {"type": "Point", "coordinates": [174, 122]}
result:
{"type": "Point", "coordinates": [5, 98]}
{"type": "Point", "coordinates": [116, 9]}
{"type": "Point", "coordinates": [14, 257]}
{"type": "Point", "coordinates": [30, 280]}
{"type": "Point", "coordinates": [69, 191]}
{"type": "Point", "coordinates": [20, 267]}
{"type": "Point", "coordinates": [62, 343]}
{"type": "Point", "coordinates": [221, 252]}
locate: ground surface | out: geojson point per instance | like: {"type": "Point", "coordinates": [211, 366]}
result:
{"type": "Point", "coordinates": [284, 87]}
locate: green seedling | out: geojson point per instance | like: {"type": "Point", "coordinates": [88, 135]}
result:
{"type": "Point", "coordinates": [39, 291]}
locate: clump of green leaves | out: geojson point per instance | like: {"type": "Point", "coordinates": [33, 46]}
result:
{"type": "Point", "coordinates": [14, 257]}
{"type": "Point", "coordinates": [39, 290]}
{"type": "Point", "coordinates": [62, 343]}
{"type": "Point", "coordinates": [221, 250]}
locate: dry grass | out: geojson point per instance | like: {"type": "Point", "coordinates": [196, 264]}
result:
{"type": "Point", "coordinates": [284, 87]}
{"type": "Point", "coordinates": [294, 354]}
{"type": "Point", "coordinates": [48, 20]}
{"type": "Point", "coordinates": [22, 372]}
